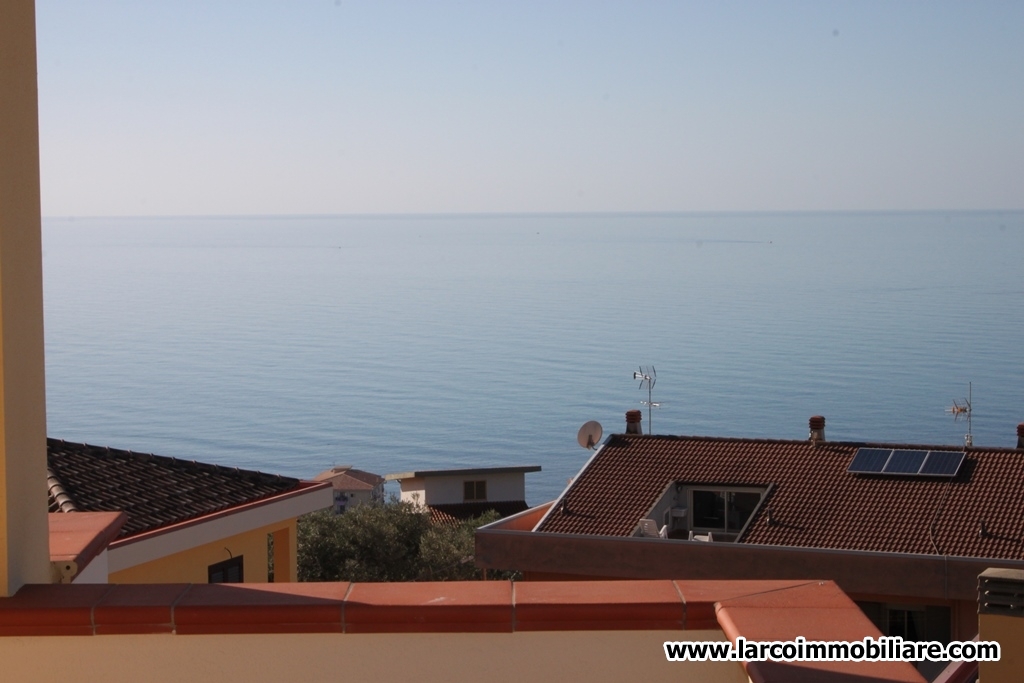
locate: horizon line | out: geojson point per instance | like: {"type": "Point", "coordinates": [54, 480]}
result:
{"type": "Point", "coordinates": [526, 214]}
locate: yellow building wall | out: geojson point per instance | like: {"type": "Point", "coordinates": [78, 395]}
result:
{"type": "Point", "coordinates": [555, 656]}
{"type": "Point", "coordinates": [1009, 633]}
{"type": "Point", "coordinates": [24, 534]}
{"type": "Point", "coordinates": [190, 566]}
{"type": "Point", "coordinates": [285, 554]}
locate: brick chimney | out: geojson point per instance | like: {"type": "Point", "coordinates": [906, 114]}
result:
{"type": "Point", "coordinates": [633, 418]}
{"type": "Point", "coordinates": [1020, 436]}
{"type": "Point", "coordinates": [817, 425]}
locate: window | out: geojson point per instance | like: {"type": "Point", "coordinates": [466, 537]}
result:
{"type": "Point", "coordinates": [474, 491]}
{"type": "Point", "coordinates": [707, 511]}
{"type": "Point", "coordinates": [722, 509]}
{"type": "Point", "coordinates": [228, 571]}
{"type": "Point", "coordinates": [910, 622]}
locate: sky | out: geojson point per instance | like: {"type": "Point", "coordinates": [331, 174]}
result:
{"type": "Point", "coordinates": [212, 107]}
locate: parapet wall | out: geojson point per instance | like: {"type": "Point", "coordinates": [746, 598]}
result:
{"type": "Point", "coordinates": [442, 631]}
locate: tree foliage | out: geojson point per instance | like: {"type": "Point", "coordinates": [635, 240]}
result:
{"type": "Point", "coordinates": [390, 542]}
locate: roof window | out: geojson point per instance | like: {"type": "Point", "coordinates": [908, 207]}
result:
{"type": "Point", "coordinates": [704, 512]}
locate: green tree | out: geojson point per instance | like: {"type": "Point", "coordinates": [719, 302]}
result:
{"type": "Point", "coordinates": [390, 542]}
{"type": "Point", "coordinates": [367, 543]}
{"type": "Point", "coordinates": [446, 551]}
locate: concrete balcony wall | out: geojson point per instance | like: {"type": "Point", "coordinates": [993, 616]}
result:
{"type": "Point", "coordinates": [444, 631]}
{"type": "Point", "coordinates": [577, 556]}
{"type": "Point", "coordinates": [423, 657]}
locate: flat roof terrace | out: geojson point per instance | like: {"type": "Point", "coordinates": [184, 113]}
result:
{"type": "Point", "coordinates": [473, 471]}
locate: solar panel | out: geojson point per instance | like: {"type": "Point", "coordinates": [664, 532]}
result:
{"type": "Point", "coordinates": [869, 460]}
{"type": "Point", "coordinates": [905, 462]}
{"type": "Point", "coordinates": [943, 463]}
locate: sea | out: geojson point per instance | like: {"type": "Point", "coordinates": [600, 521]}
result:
{"type": "Point", "coordinates": [291, 344]}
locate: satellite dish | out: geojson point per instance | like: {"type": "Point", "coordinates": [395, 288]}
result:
{"type": "Point", "coordinates": [590, 434]}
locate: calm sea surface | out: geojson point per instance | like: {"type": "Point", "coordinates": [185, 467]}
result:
{"type": "Point", "coordinates": [290, 344]}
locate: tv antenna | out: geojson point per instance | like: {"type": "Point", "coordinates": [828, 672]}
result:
{"type": "Point", "coordinates": [648, 376]}
{"type": "Point", "coordinates": [963, 410]}
{"type": "Point", "coordinates": [589, 434]}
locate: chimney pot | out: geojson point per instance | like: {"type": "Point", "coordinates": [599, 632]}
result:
{"type": "Point", "coordinates": [817, 425]}
{"type": "Point", "coordinates": [1020, 435]}
{"type": "Point", "coordinates": [633, 418]}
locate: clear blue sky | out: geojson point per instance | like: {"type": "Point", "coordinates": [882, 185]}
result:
{"type": "Point", "coordinates": [205, 107]}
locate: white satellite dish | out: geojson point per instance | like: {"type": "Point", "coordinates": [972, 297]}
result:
{"type": "Point", "coordinates": [589, 434]}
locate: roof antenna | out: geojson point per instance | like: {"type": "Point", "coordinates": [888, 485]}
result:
{"type": "Point", "coordinates": [650, 377]}
{"type": "Point", "coordinates": [964, 410]}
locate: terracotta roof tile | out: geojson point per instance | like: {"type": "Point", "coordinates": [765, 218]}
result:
{"type": "Point", "coordinates": [366, 477]}
{"type": "Point", "coordinates": [153, 490]}
{"type": "Point", "coordinates": [814, 501]}
{"type": "Point", "coordinates": [453, 513]}
{"type": "Point", "coordinates": [351, 479]}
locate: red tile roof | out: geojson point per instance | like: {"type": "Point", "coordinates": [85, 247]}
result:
{"type": "Point", "coordinates": [153, 490]}
{"type": "Point", "coordinates": [453, 513]}
{"type": "Point", "coordinates": [814, 501]}
{"type": "Point", "coordinates": [348, 479]}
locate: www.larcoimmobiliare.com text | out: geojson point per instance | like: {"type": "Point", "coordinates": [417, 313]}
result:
{"type": "Point", "coordinates": [884, 649]}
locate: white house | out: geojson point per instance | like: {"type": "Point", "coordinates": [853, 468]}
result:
{"type": "Point", "coordinates": [452, 495]}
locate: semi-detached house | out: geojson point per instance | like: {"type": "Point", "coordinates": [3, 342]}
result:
{"type": "Point", "coordinates": [904, 529]}
{"type": "Point", "coordinates": [184, 521]}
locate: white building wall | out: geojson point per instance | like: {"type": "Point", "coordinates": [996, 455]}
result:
{"type": "Point", "coordinates": [413, 491]}
{"type": "Point", "coordinates": [96, 571]}
{"type": "Point", "coordinates": [449, 489]}
{"type": "Point", "coordinates": [345, 499]}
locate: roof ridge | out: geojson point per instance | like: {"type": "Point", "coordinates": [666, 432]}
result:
{"type": "Point", "coordinates": [169, 459]}
{"type": "Point", "coordinates": [845, 444]}
{"type": "Point", "coordinates": [62, 500]}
